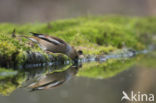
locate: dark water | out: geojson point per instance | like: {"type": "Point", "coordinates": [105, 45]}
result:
{"type": "Point", "coordinates": [89, 82]}
{"type": "Point", "coordinates": [85, 90]}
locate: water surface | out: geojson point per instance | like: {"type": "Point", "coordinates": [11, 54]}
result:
{"type": "Point", "coordinates": [86, 82]}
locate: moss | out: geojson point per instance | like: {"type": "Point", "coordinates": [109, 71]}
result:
{"type": "Point", "coordinates": [8, 85]}
{"type": "Point", "coordinates": [148, 60]}
{"type": "Point", "coordinates": [6, 73]}
{"type": "Point", "coordinates": [21, 57]}
{"type": "Point", "coordinates": [7, 49]}
{"type": "Point", "coordinates": [107, 69]}
{"type": "Point", "coordinates": [94, 35]}
{"type": "Point", "coordinates": [10, 80]}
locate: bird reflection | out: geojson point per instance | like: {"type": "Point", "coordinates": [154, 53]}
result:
{"type": "Point", "coordinates": [55, 79]}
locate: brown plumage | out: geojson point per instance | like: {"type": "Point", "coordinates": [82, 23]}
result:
{"type": "Point", "coordinates": [55, 79]}
{"type": "Point", "coordinates": [55, 45]}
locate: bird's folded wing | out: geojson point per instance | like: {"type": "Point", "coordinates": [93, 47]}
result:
{"type": "Point", "coordinates": [54, 40]}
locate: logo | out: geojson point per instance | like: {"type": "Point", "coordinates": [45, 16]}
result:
{"type": "Point", "coordinates": [137, 97]}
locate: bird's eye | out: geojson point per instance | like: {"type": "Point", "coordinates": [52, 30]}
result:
{"type": "Point", "coordinates": [80, 52]}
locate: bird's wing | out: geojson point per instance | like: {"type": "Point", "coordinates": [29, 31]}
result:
{"type": "Point", "coordinates": [54, 40]}
{"type": "Point", "coordinates": [49, 85]}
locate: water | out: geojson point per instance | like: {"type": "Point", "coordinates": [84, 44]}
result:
{"type": "Point", "coordinates": [79, 89]}
{"type": "Point", "coordinates": [89, 81]}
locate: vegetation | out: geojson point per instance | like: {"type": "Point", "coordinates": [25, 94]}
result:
{"type": "Point", "coordinates": [93, 35]}
{"type": "Point", "coordinates": [105, 70]}
{"type": "Point", "coordinates": [148, 61]}
{"type": "Point", "coordinates": [119, 61]}
{"type": "Point", "coordinates": [10, 80]}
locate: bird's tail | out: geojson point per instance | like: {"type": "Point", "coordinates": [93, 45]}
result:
{"type": "Point", "coordinates": [30, 38]}
{"type": "Point", "coordinates": [35, 34]}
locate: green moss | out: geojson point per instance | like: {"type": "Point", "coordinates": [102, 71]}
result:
{"type": "Point", "coordinates": [148, 60]}
{"type": "Point", "coordinates": [4, 73]}
{"type": "Point", "coordinates": [10, 80]}
{"type": "Point", "coordinates": [7, 49]}
{"type": "Point", "coordinates": [94, 35]}
{"type": "Point", "coordinates": [107, 69]}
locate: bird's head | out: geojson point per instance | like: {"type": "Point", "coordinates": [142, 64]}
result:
{"type": "Point", "coordinates": [75, 54]}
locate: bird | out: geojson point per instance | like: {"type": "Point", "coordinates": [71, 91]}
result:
{"type": "Point", "coordinates": [54, 79]}
{"type": "Point", "coordinates": [55, 45]}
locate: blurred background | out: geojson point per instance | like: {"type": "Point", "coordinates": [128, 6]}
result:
{"type": "Point", "coordinates": [20, 11]}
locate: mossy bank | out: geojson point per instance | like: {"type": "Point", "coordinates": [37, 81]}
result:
{"type": "Point", "coordinates": [93, 35]}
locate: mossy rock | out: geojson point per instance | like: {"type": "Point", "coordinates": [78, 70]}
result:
{"type": "Point", "coordinates": [94, 35]}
